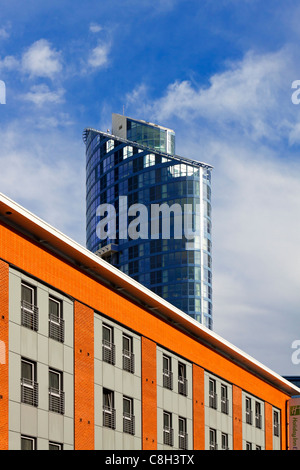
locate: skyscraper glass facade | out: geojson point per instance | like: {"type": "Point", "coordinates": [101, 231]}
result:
{"type": "Point", "coordinates": [168, 249]}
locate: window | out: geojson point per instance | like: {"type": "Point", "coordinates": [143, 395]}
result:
{"type": "Point", "coordinates": [212, 439]}
{"type": "Point", "coordinates": [182, 434]}
{"type": "Point", "coordinates": [29, 387]}
{"type": "Point", "coordinates": [182, 380]}
{"type": "Point", "coordinates": [128, 416]}
{"type": "Point", "coordinates": [257, 447]}
{"type": "Point", "coordinates": [56, 394]}
{"type": "Point", "coordinates": [248, 446]}
{"type": "Point", "coordinates": [55, 446]}
{"type": "Point", "coordinates": [276, 423]}
{"type": "Point", "coordinates": [248, 411]}
{"type": "Point", "coordinates": [56, 322]}
{"type": "Point", "coordinates": [109, 413]}
{"type": "Point", "coordinates": [128, 356]}
{"type": "Point", "coordinates": [29, 311]}
{"type": "Point", "coordinates": [224, 399]}
{"type": "Point", "coordinates": [28, 443]}
{"type": "Point", "coordinates": [224, 438]}
{"type": "Point", "coordinates": [167, 373]}
{"type": "Point", "coordinates": [167, 429]}
{"type": "Point", "coordinates": [108, 347]}
{"type": "Point", "coordinates": [258, 417]}
{"type": "Point", "coordinates": [212, 394]}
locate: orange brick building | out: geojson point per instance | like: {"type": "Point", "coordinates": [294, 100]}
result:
{"type": "Point", "coordinates": [90, 359]}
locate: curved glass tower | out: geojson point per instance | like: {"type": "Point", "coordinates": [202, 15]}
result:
{"type": "Point", "coordinates": [148, 212]}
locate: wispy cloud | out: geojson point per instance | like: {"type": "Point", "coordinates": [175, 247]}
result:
{"type": "Point", "coordinates": [248, 95]}
{"type": "Point", "coordinates": [243, 123]}
{"type": "Point", "coordinates": [4, 34]}
{"type": "Point", "coordinates": [98, 57]}
{"type": "Point", "coordinates": [95, 28]}
{"type": "Point", "coordinates": [42, 170]}
{"type": "Point", "coordinates": [41, 94]}
{"type": "Point", "coordinates": [41, 60]}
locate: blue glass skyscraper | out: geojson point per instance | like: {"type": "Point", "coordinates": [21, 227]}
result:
{"type": "Point", "coordinates": [148, 212]}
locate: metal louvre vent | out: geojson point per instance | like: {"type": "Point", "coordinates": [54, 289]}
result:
{"type": "Point", "coordinates": [128, 423]}
{"type": "Point", "coordinates": [56, 401]}
{"type": "Point", "coordinates": [109, 417]}
{"type": "Point", "coordinates": [56, 328]}
{"type": "Point", "coordinates": [168, 436]}
{"type": "Point", "coordinates": [108, 352]}
{"type": "Point", "coordinates": [168, 379]}
{"type": "Point", "coordinates": [29, 392]}
{"type": "Point", "coordinates": [29, 315]}
{"type": "Point", "coordinates": [128, 361]}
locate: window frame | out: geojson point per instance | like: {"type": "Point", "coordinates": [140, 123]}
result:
{"type": "Point", "coordinates": [167, 372]}
{"type": "Point", "coordinates": [213, 445]}
{"type": "Point", "coordinates": [56, 322]}
{"type": "Point", "coordinates": [29, 310]}
{"type": "Point", "coordinates": [168, 433]}
{"type": "Point", "coordinates": [29, 439]}
{"type": "Point", "coordinates": [248, 410]}
{"type": "Point", "coordinates": [182, 379]}
{"type": "Point", "coordinates": [108, 346]}
{"type": "Point", "coordinates": [212, 393]}
{"type": "Point", "coordinates": [127, 354]}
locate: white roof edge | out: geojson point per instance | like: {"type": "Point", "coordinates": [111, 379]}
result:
{"type": "Point", "coordinates": [186, 160]}
{"type": "Point", "coordinates": [139, 287]}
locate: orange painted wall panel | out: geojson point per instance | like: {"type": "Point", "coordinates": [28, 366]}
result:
{"type": "Point", "coordinates": [237, 418]}
{"type": "Point", "coordinates": [4, 310]}
{"type": "Point", "coordinates": [268, 426]}
{"type": "Point", "coordinates": [198, 408]}
{"type": "Point", "coordinates": [83, 377]}
{"type": "Point", "coordinates": [149, 395]}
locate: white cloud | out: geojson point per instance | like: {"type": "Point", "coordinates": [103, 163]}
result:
{"type": "Point", "coordinates": [3, 33]}
{"type": "Point", "coordinates": [40, 60]}
{"type": "Point", "coordinates": [42, 170]}
{"type": "Point", "coordinates": [9, 63]}
{"type": "Point", "coordinates": [246, 95]}
{"type": "Point", "coordinates": [243, 123]}
{"type": "Point", "coordinates": [41, 94]}
{"type": "Point", "coordinates": [99, 55]}
{"type": "Point", "coordinates": [256, 256]}
{"type": "Point", "coordinates": [95, 28]}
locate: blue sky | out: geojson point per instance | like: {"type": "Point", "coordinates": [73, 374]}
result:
{"type": "Point", "coordinates": [217, 72]}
